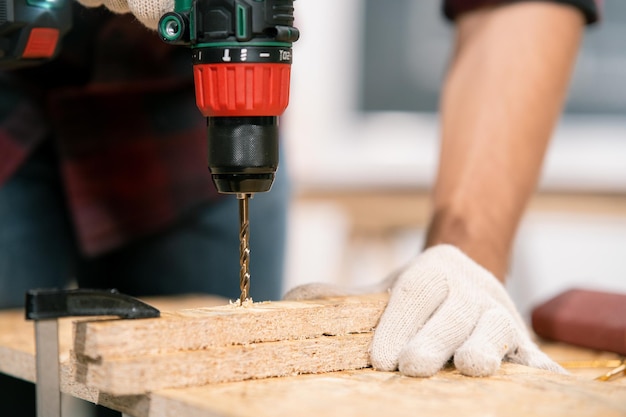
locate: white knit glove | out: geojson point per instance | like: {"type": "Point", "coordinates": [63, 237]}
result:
{"type": "Point", "coordinates": [443, 305]}
{"type": "Point", "coordinates": [147, 12]}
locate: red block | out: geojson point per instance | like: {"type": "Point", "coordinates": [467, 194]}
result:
{"type": "Point", "coordinates": [42, 43]}
{"type": "Point", "coordinates": [586, 318]}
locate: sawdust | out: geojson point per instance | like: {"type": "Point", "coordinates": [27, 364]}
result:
{"type": "Point", "coordinates": [248, 302]}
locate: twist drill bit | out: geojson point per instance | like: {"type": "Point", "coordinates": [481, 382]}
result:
{"type": "Point", "coordinates": [244, 247]}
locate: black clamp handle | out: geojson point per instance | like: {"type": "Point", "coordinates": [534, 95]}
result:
{"type": "Point", "coordinates": [44, 304]}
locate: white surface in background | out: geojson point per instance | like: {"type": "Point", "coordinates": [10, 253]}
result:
{"type": "Point", "coordinates": [556, 252]}
{"type": "Point", "coordinates": [553, 252]}
{"type": "Point", "coordinates": [317, 236]}
{"type": "Point", "coordinates": [369, 260]}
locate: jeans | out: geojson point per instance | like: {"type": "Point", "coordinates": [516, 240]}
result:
{"type": "Point", "coordinates": [199, 254]}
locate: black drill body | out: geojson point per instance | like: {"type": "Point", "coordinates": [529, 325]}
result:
{"type": "Point", "coordinates": [241, 62]}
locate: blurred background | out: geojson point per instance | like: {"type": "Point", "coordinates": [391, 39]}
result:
{"type": "Point", "coordinates": [361, 136]}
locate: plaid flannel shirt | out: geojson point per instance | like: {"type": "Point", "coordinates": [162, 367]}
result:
{"type": "Point", "coordinates": [119, 104]}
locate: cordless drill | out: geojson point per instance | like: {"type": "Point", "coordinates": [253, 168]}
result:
{"type": "Point", "coordinates": [31, 31]}
{"type": "Point", "coordinates": [241, 54]}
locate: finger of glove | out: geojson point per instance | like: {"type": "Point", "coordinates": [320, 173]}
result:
{"type": "Point", "coordinates": [414, 298]}
{"type": "Point", "coordinates": [432, 346]}
{"type": "Point", "coordinates": [149, 12]}
{"type": "Point", "coordinates": [530, 355]}
{"type": "Point", "coordinates": [494, 336]}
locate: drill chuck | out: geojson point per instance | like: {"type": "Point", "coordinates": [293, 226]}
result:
{"type": "Point", "coordinates": [243, 153]}
{"type": "Point", "coordinates": [31, 31]}
{"type": "Point", "coordinates": [241, 54]}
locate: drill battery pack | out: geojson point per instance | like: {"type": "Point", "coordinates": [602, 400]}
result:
{"type": "Point", "coordinates": [31, 31]}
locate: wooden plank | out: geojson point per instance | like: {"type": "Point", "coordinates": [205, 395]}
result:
{"type": "Point", "coordinates": [200, 328]}
{"type": "Point", "coordinates": [17, 345]}
{"type": "Point", "coordinates": [17, 353]}
{"type": "Point", "coordinates": [141, 374]}
{"type": "Point", "coordinates": [515, 391]}
{"type": "Point", "coordinates": [226, 343]}
{"type": "Point", "coordinates": [583, 362]}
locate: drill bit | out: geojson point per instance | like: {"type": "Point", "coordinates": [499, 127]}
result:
{"type": "Point", "coordinates": [244, 247]}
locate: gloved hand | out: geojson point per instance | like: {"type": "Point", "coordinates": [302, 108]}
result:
{"type": "Point", "coordinates": [147, 12]}
{"type": "Point", "coordinates": [443, 304]}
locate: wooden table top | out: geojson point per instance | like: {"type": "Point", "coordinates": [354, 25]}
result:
{"type": "Point", "coordinates": [514, 391]}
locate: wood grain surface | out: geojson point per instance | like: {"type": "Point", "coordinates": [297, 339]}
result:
{"type": "Point", "coordinates": [226, 343]}
{"type": "Point", "coordinates": [513, 391]}
{"type": "Point", "coordinates": [225, 325]}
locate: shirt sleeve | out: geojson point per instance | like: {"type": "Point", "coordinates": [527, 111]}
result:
{"type": "Point", "coordinates": [453, 8]}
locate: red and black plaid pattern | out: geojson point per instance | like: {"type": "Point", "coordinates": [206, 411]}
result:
{"type": "Point", "coordinates": [134, 163]}
{"type": "Point", "coordinates": [120, 105]}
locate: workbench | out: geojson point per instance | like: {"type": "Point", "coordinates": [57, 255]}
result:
{"type": "Point", "coordinates": [514, 391]}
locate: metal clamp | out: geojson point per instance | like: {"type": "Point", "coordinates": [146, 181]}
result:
{"type": "Point", "coordinates": [45, 306]}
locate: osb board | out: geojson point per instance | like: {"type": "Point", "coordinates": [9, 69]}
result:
{"type": "Point", "coordinates": [139, 374]}
{"type": "Point", "coordinates": [226, 343]}
{"type": "Point", "coordinates": [514, 390]}
{"type": "Point", "coordinates": [225, 325]}
{"type": "Point", "coordinates": [586, 363]}
{"type": "Point", "coordinates": [17, 342]}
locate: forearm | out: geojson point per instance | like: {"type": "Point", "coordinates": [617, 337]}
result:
{"type": "Point", "coordinates": [502, 97]}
